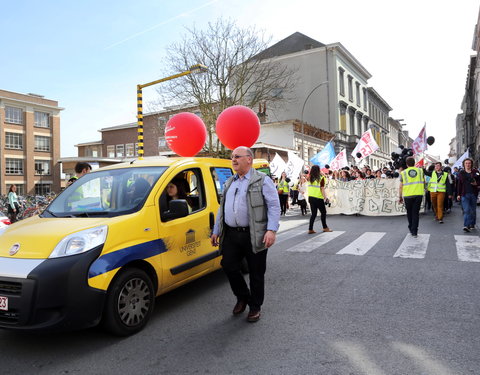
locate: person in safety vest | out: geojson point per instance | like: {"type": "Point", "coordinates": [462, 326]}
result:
{"type": "Point", "coordinates": [412, 188]}
{"type": "Point", "coordinates": [316, 198]}
{"type": "Point", "coordinates": [283, 192]}
{"type": "Point", "coordinates": [438, 186]}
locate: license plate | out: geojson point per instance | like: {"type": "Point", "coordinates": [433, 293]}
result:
{"type": "Point", "coordinates": [4, 303]}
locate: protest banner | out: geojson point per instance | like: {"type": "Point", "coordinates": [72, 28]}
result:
{"type": "Point", "coordinates": [340, 161]}
{"type": "Point", "coordinates": [419, 145]}
{"type": "Point", "coordinates": [372, 197]}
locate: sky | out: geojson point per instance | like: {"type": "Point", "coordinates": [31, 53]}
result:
{"type": "Point", "coordinates": [89, 55]}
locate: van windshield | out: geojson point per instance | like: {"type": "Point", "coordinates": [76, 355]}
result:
{"type": "Point", "coordinates": [106, 193]}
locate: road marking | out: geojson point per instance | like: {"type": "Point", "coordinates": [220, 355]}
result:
{"type": "Point", "coordinates": [363, 243]}
{"type": "Point", "coordinates": [318, 240]}
{"type": "Point", "coordinates": [468, 248]}
{"type": "Point", "coordinates": [413, 247]}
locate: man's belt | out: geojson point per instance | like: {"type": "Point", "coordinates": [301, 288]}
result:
{"type": "Point", "coordinates": [238, 229]}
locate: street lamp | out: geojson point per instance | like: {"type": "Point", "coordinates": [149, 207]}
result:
{"type": "Point", "coordinates": [197, 68]}
{"type": "Point", "coordinates": [303, 109]}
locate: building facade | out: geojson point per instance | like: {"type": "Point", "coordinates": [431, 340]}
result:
{"type": "Point", "coordinates": [331, 94]}
{"type": "Point", "coordinates": [30, 143]}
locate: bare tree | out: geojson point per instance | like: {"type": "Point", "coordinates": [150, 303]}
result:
{"type": "Point", "coordinates": [235, 74]}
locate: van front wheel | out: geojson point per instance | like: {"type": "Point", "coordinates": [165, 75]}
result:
{"type": "Point", "coordinates": [130, 302]}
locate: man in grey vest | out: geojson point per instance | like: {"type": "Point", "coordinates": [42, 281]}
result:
{"type": "Point", "coordinates": [246, 226]}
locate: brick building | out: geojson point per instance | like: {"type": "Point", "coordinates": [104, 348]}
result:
{"type": "Point", "coordinates": [29, 143]}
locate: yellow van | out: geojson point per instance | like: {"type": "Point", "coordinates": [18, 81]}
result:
{"type": "Point", "coordinates": [262, 165]}
{"type": "Point", "coordinates": [109, 244]}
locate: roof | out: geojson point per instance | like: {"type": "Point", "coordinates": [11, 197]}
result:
{"type": "Point", "coordinates": [118, 127]}
{"type": "Point", "coordinates": [294, 43]}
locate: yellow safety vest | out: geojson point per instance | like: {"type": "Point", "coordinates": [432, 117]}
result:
{"type": "Point", "coordinates": [283, 185]}
{"type": "Point", "coordinates": [314, 190]}
{"type": "Point", "coordinates": [413, 182]}
{"type": "Point", "coordinates": [440, 186]}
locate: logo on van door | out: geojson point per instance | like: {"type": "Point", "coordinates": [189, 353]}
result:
{"type": "Point", "coordinates": [190, 243]}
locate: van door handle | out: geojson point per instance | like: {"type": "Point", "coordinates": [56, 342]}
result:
{"type": "Point", "coordinates": [212, 220]}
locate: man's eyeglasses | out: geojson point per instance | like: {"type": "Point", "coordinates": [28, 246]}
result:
{"type": "Point", "coordinates": [238, 156]}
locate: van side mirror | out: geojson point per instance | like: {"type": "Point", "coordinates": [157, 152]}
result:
{"type": "Point", "coordinates": [178, 209]}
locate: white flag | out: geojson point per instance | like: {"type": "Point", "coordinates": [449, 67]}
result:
{"type": "Point", "coordinates": [277, 166]}
{"type": "Point", "coordinates": [365, 146]}
{"type": "Point", "coordinates": [419, 145]}
{"type": "Point", "coordinates": [340, 161]}
{"type": "Point", "coordinates": [459, 162]}
{"type": "Point", "coordinates": [294, 166]}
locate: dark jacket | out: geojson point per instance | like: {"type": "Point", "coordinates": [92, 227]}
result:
{"type": "Point", "coordinates": [464, 178]}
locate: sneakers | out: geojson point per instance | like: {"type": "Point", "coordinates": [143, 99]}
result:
{"type": "Point", "coordinates": [414, 235]}
{"type": "Point", "coordinates": [466, 229]}
{"type": "Point", "coordinates": [471, 227]}
{"type": "Point", "coordinates": [440, 221]}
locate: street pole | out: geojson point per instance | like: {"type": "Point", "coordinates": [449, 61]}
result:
{"type": "Point", "coordinates": [303, 109]}
{"type": "Point", "coordinates": [198, 68]}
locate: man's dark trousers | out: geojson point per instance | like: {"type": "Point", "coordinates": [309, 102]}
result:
{"type": "Point", "coordinates": [412, 204]}
{"type": "Point", "coordinates": [236, 246]}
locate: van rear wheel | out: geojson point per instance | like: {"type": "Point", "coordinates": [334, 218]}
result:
{"type": "Point", "coordinates": [130, 302]}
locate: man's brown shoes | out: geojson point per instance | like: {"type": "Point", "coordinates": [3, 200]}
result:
{"type": "Point", "coordinates": [253, 316]}
{"type": "Point", "coordinates": [327, 230]}
{"type": "Point", "coordinates": [311, 232]}
{"type": "Point", "coordinates": [239, 308]}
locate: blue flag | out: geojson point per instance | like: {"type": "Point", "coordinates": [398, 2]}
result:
{"type": "Point", "coordinates": [325, 156]}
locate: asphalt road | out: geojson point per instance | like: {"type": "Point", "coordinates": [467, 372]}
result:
{"type": "Point", "coordinates": [325, 312]}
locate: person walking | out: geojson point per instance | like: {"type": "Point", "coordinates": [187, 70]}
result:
{"type": "Point", "coordinates": [468, 183]}
{"type": "Point", "coordinates": [412, 188]}
{"type": "Point", "coordinates": [316, 198]}
{"type": "Point", "coordinates": [438, 186]}
{"type": "Point", "coordinates": [13, 205]}
{"type": "Point", "coordinates": [283, 192]}
{"type": "Point", "coordinates": [302, 191]}
{"type": "Point", "coordinates": [245, 227]}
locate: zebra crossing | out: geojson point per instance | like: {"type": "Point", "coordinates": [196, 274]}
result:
{"type": "Point", "coordinates": [467, 246]}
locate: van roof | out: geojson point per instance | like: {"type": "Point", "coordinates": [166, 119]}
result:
{"type": "Point", "coordinates": [162, 161]}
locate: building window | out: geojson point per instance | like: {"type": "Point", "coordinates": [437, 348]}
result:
{"type": "Point", "coordinates": [14, 141]}
{"type": "Point", "coordinates": [341, 80]}
{"type": "Point", "coordinates": [42, 143]}
{"type": "Point", "coordinates": [111, 151]}
{"type": "Point", "coordinates": [42, 168]}
{"type": "Point", "coordinates": [120, 151]}
{"type": "Point", "coordinates": [20, 188]}
{"type": "Point", "coordinates": [350, 88]}
{"type": "Point", "coordinates": [43, 189]}
{"type": "Point", "coordinates": [13, 115]}
{"type": "Point", "coordinates": [351, 121]}
{"type": "Point", "coordinates": [130, 149]}
{"type": "Point", "coordinates": [365, 99]}
{"type": "Point", "coordinates": [357, 93]}
{"type": "Point", "coordinates": [42, 119]}
{"type": "Point", "coordinates": [14, 166]}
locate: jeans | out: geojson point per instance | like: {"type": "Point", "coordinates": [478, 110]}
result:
{"type": "Point", "coordinates": [317, 204]}
{"type": "Point", "coordinates": [412, 204]}
{"type": "Point", "coordinates": [469, 205]}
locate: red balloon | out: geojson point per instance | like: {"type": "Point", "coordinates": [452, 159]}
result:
{"type": "Point", "coordinates": [185, 134]}
{"type": "Point", "coordinates": [238, 126]}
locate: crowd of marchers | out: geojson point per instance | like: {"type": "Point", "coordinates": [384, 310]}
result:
{"type": "Point", "coordinates": [442, 187]}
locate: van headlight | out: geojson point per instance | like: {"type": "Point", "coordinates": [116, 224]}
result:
{"type": "Point", "coordinates": [80, 242]}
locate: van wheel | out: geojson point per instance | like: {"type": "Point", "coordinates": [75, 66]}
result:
{"type": "Point", "coordinates": [130, 302]}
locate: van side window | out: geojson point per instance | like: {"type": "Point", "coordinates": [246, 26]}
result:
{"type": "Point", "coordinates": [220, 175]}
{"type": "Point", "coordinates": [187, 185]}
